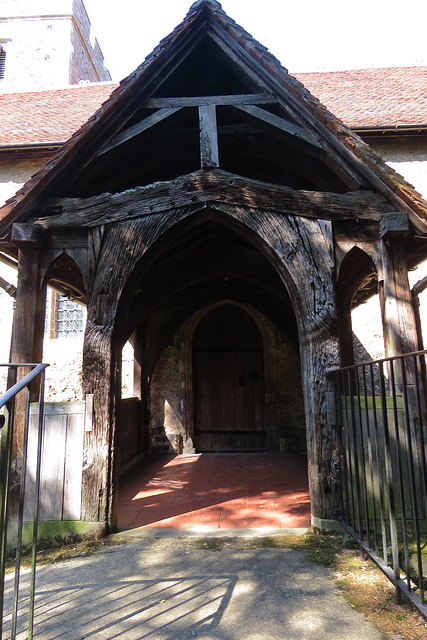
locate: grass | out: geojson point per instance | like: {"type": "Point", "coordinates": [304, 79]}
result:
{"type": "Point", "coordinates": [361, 583]}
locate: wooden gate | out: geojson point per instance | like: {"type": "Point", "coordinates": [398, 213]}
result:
{"type": "Point", "coordinates": [228, 382]}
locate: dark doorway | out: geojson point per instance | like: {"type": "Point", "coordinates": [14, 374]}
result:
{"type": "Point", "coordinates": [228, 382]}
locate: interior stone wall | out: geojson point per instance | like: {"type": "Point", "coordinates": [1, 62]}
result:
{"type": "Point", "coordinates": [171, 393]}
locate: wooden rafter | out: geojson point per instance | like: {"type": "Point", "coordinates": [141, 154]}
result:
{"type": "Point", "coordinates": [145, 124]}
{"type": "Point", "coordinates": [281, 123]}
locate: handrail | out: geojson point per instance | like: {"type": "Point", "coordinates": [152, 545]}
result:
{"type": "Point", "coordinates": [7, 455]}
{"type": "Point", "coordinates": [22, 383]}
{"type": "Point", "coordinates": [379, 361]}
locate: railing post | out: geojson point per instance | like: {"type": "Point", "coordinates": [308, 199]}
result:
{"type": "Point", "coordinates": [397, 461]}
{"type": "Point", "coordinates": [7, 456]}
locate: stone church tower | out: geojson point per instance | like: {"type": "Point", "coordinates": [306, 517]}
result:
{"type": "Point", "coordinates": [47, 44]}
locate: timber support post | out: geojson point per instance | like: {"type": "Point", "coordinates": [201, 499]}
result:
{"type": "Point", "coordinates": [399, 322]}
{"type": "Point", "coordinates": [28, 324]}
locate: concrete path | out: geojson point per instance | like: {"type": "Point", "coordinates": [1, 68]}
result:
{"type": "Point", "coordinates": [154, 589]}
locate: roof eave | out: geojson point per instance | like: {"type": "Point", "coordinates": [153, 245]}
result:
{"type": "Point", "coordinates": [387, 131]}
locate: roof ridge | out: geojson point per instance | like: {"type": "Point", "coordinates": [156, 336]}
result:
{"type": "Point", "coordinates": [199, 3]}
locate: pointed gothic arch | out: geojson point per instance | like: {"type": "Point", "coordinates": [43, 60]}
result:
{"type": "Point", "coordinates": [357, 281]}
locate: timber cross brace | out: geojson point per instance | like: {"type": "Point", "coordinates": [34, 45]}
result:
{"type": "Point", "coordinates": [207, 107]}
{"type": "Point", "coordinates": [226, 232]}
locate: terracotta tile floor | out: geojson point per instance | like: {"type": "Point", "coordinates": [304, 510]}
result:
{"type": "Point", "coordinates": [216, 491]}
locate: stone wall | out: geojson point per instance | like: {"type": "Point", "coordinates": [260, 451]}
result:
{"type": "Point", "coordinates": [87, 61]}
{"type": "Point", "coordinates": [15, 170]}
{"type": "Point", "coordinates": [47, 44]}
{"type": "Point", "coordinates": [171, 395]}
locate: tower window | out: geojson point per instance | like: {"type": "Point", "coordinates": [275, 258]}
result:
{"type": "Point", "coordinates": [2, 62]}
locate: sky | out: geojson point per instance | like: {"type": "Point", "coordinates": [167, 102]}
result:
{"type": "Point", "coordinates": [305, 35]}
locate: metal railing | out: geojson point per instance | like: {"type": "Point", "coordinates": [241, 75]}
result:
{"type": "Point", "coordinates": [15, 408]}
{"type": "Point", "coordinates": [381, 418]}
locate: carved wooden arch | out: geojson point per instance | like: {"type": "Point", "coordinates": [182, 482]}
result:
{"type": "Point", "coordinates": [277, 237]}
{"type": "Point", "coordinates": [300, 250]}
{"type": "Point", "coordinates": [357, 281]}
{"type": "Point", "coordinates": [182, 230]}
{"type": "Point", "coordinates": [64, 272]}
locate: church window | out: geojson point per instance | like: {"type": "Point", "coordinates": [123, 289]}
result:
{"type": "Point", "coordinates": [67, 318]}
{"type": "Point", "coordinates": [2, 62]}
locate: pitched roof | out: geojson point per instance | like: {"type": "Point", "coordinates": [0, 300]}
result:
{"type": "Point", "coordinates": [362, 99]}
{"type": "Point", "coordinates": [42, 117]}
{"type": "Point", "coordinates": [399, 193]}
{"type": "Point", "coordinates": [378, 98]}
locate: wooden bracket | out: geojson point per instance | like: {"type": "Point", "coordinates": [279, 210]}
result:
{"type": "Point", "coordinates": [26, 233]}
{"type": "Point", "coordinates": [394, 224]}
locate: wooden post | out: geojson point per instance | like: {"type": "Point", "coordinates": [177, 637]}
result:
{"type": "Point", "coordinates": [28, 326]}
{"type": "Point", "coordinates": [345, 331]}
{"type": "Point", "coordinates": [399, 322]}
{"type": "Point", "coordinates": [317, 357]}
{"type": "Point", "coordinates": [98, 379]}
{"type": "Point", "coordinates": [208, 137]}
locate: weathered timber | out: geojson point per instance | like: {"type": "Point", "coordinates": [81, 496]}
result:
{"type": "Point", "coordinates": [252, 68]}
{"type": "Point", "coordinates": [394, 224]}
{"type": "Point", "coordinates": [354, 171]}
{"type": "Point", "coordinates": [198, 101]}
{"type": "Point", "coordinates": [399, 322]}
{"type": "Point", "coordinates": [296, 247]}
{"type": "Point", "coordinates": [282, 124]}
{"type": "Point", "coordinates": [212, 186]}
{"type": "Point", "coordinates": [131, 132]}
{"type": "Point", "coordinates": [208, 137]}
{"type": "Point", "coordinates": [27, 329]}
{"type": "Point", "coordinates": [99, 380]}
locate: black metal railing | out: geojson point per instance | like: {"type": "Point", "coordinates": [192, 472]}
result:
{"type": "Point", "coordinates": [14, 423]}
{"type": "Point", "coordinates": [381, 418]}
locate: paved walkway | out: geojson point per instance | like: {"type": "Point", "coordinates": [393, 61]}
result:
{"type": "Point", "coordinates": [162, 589]}
{"type": "Point", "coordinates": [161, 583]}
{"type": "Point", "coordinates": [217, 491]}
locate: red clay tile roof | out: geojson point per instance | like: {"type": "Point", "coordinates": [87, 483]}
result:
{"type": "Point", "coordinates": [42, 117]}
{"type": "Point", "coordinates": [388, 97]}
{"type": "Point", "coordinates": [362, 99]}
{"type": "Point", "coordinates": [348, 146]}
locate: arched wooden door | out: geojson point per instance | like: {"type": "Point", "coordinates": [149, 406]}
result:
{"type": "Point", "coordinates": [228, 382]}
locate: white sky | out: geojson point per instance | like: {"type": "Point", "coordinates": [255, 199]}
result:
{"type": "Point", "coordinates": [305, 35]}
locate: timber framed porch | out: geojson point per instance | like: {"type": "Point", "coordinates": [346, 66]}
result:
{"type": "Point", "coordinates": [213, 197]}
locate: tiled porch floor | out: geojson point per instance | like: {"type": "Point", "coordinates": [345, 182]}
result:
{"type": "Point", "coordinates": [216, 491]}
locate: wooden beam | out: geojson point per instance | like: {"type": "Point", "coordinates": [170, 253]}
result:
{"type": "Point", "coordinates": [209, 156]}
{"type": "Point", "coordinates": [399, 323]}
{"type": "Point", "coordinates": [280, 123]}
{"type": "Point", "coordinates": [27, 330]}
{"type": "Point", "coordinates": [209, 187]}
{"type": "Point", "coordinates": [136, 129]}
{"type": "Point", "coordinates": [198, 101]}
